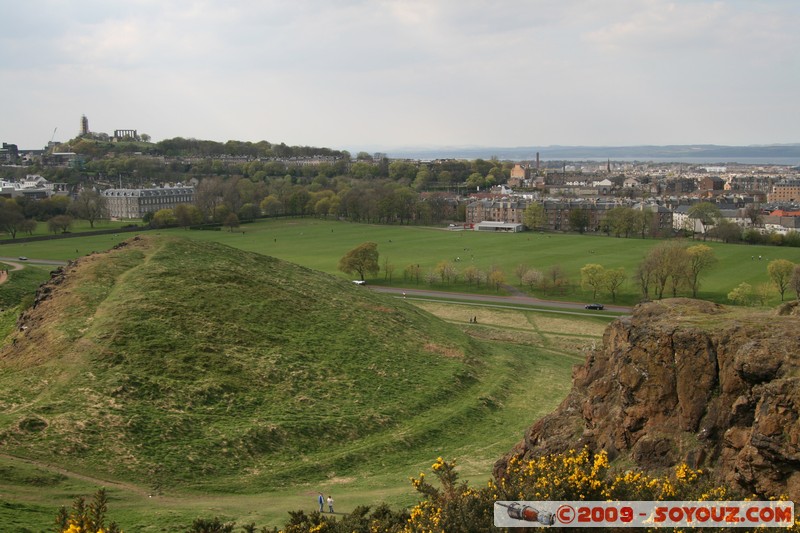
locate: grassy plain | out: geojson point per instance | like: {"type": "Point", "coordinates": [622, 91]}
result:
{"type": "Point", "coordinates": [78, 226]}
{"type": "Point", "coordinates": [318, 244]}
{"type": "Point", "coordinates": [171, 366]}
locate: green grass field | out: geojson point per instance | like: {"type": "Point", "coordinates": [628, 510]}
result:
{"type": "Point", "coordinates": [470, 397]}
{"type": "Point", "coordinates": [318, 244]}
{"type": "Point", "coordinates": [78, 226]}
{"type": "Point", "coordinates": [525, 374]}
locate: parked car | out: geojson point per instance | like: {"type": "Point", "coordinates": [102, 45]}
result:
{"type": "Point", "coordinates": [23, 258]}
{"type": "Point", "coordinates": [359, 282]}
{"type": "Point", "coordinates": [594, 307]}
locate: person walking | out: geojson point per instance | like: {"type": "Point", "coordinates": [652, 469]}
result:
{"type": "Point", "coordinates": [330, 504]}
{"type": "Point", "coordinates": [321, 500]}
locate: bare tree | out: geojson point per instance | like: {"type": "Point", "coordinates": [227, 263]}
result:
{"type": "Point", "coordinates": [593, 277]}
{"type": "Point", "coordinates": [91, 206]}
{"type": "Point", "coordinates": [700, 259]}
{"type": "Point", "coordinates": [795, 281]}
{"type": "Point", "coordinates": [612, 280]}
{"type": "Point", "coordinates": [780, 272]}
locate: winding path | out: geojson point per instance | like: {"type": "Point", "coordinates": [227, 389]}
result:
{"type": "Point", "coordinates": [517, 299]}
{"type": "Point", "coordinates": [13, 265]}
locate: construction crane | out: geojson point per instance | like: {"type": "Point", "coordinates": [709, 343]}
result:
{"type": "Point", "coordinates": [50, 146]}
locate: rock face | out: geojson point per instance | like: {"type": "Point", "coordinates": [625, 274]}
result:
{"type": "Point", "coordinates": [687, 380]}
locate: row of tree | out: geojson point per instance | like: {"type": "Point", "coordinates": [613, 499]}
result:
{"type": "Point", "coordinates": [23, 214]}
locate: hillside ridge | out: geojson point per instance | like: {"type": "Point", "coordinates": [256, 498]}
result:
{"type": "Point", "coordinates": [688, 381]}
{"type": "Point", "coordinates": [168, 358]}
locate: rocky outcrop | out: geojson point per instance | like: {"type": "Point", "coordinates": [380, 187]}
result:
{"type": "Point", "coordinates": [687, 380]}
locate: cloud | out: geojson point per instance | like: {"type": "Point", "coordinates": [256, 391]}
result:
{"type": "Point", "coordinates": [405, 71]}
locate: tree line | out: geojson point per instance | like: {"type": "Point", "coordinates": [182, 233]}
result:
{"type": "Point", "coordinates": [23, 214]}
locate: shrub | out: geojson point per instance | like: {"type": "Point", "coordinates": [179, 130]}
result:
{"type": "Point", "coordinates": [86, 518]}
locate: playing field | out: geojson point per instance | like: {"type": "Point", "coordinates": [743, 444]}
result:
{"type": "Point", "coordinates": [318, 244]}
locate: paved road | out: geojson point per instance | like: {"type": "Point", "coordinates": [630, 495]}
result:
{"type": "Point", "coordinates": [528, 301]}
{"type": "Point", "coordinates": [32, 261]}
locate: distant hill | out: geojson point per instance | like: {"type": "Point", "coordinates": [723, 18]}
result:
{"type": "Point", "coordinates": [707, 152]}
{"type": "Point", "coordinates": [174, 361]}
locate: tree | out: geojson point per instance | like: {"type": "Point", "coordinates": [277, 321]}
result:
{"type": "Point", "coordinates": [496, 278]}
{"type": "Point", "coordinates": [447, 271]}
{"type": "Point", "coordinates": [795, 281]}
{"type": "Point", "coordinates": [678, 265]}
{"type": "Point", "coordinates": [645, 221]}
{"type": "Point", "coordinates": [662, 263]}
{"type": "Point", "coordinates": [780, 272]}
{"type": "Point", "coordinates": [520, 271]}
{"type": "Point", "coordinates": [388, 269]}
{"type": "Point", "coordinates": [741, 295]}
{"type": "Point", "coordinates": [701, 258]}
{"type": "Point", "coordinates": [363, 259]}
{"type": "Point", "coordinates": [620, 221]}
{"type": "Point", "coordinates": [471, 275]}
{"type": "Point", "coordinates": [11, 217]}
{"type": "Point", "coordinates": [592, 276]}
{"type": "Point", "coordinates": [579, 219]}
{"type": "Point", "coordinates": [231, 221]}
{"type": "Point", "coordinates": [707, 213]}
{"type": "Point", "coordinates": [187, 215]}
{"type": "Point", "coordinates": [207, 195]}
{"type": "Point", "coordinates": [754, 213]}
{"type": "Point", "coordinates": [412, 271]}
{"type": "Point", "coordinates": [271, 206]}
{"type": "Point", "coordinates": [728, 231]}
{"type": "Point", "coordinates": [60, 223]}
{"type": "Point", "coordinates": [249, 212]}
{"type": "Point", "coordinates": [645, 275]}
{"type": "Point", "coordinates": [613, 280]}
{"type": "Point", "coordinates": [531, 278]}
{"type": "Point", "coordinates": [91, 206]}
{"type": "Point", "coordinates": [535, 216]}
{"type": "Point", "coordinates": [555, 278]}
{"type": "Point", "coordinates": [163, 218]}
{"type": "Point", "coordinates": [28, 226]}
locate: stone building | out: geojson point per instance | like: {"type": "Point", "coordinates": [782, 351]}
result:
{"type": "Point", "coordinates": [785, 191]}
{"type": "Point", "coordinates": [496, 211]}
{"type": "Point", "coordinates": [135, 203]}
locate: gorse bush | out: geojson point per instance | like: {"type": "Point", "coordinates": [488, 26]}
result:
{"type": "Point", "coordinates": [85, 518]}
{"type": "Point", "coordinates": [452, 506]}
{"type": "Point", "coordinates": [455, 507]}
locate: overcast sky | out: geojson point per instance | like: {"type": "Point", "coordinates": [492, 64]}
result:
{"type": "Point", "coordinates": [367, 74]}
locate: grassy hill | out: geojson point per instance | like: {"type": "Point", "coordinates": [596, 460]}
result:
{"type": "Point", "coordinates": [223, 382]}
{"type": "Point", "coordinates": [179, 361]}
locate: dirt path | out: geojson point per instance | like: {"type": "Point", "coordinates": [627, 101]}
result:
{"type": "Point", "coordinates": [3, 269]}
{"type": "Point", "coordinates": [129, 487]}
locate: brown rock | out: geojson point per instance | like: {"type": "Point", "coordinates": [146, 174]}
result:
{"type": "Point", "coordinates": [686, 380]}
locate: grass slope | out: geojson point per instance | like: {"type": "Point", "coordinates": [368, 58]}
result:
{"type": "Point", "coordinates": [178, 361]}
{"type": "Point", "coordinates": [527, 360]}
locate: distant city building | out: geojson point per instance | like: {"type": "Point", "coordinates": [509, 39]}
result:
{"type": "Point", "coordinates": [785, 191]}
{"type": "Point", "coordinates": [84, 125]}
{"type": "Point", "coordinates": [9, 153]}
{"type": "Point", "coordinates": [135, 203]}
{"type": "Point", "coordinates": [508, 211]}
{"type": "Point", "coordinates": [33, 186]}
{"type": "Point", "coordinates": [511, 227]}
{"type": "Point", "coordinates": [520, 175]}
{"type": "Point", "coordinates": [120, 135]}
